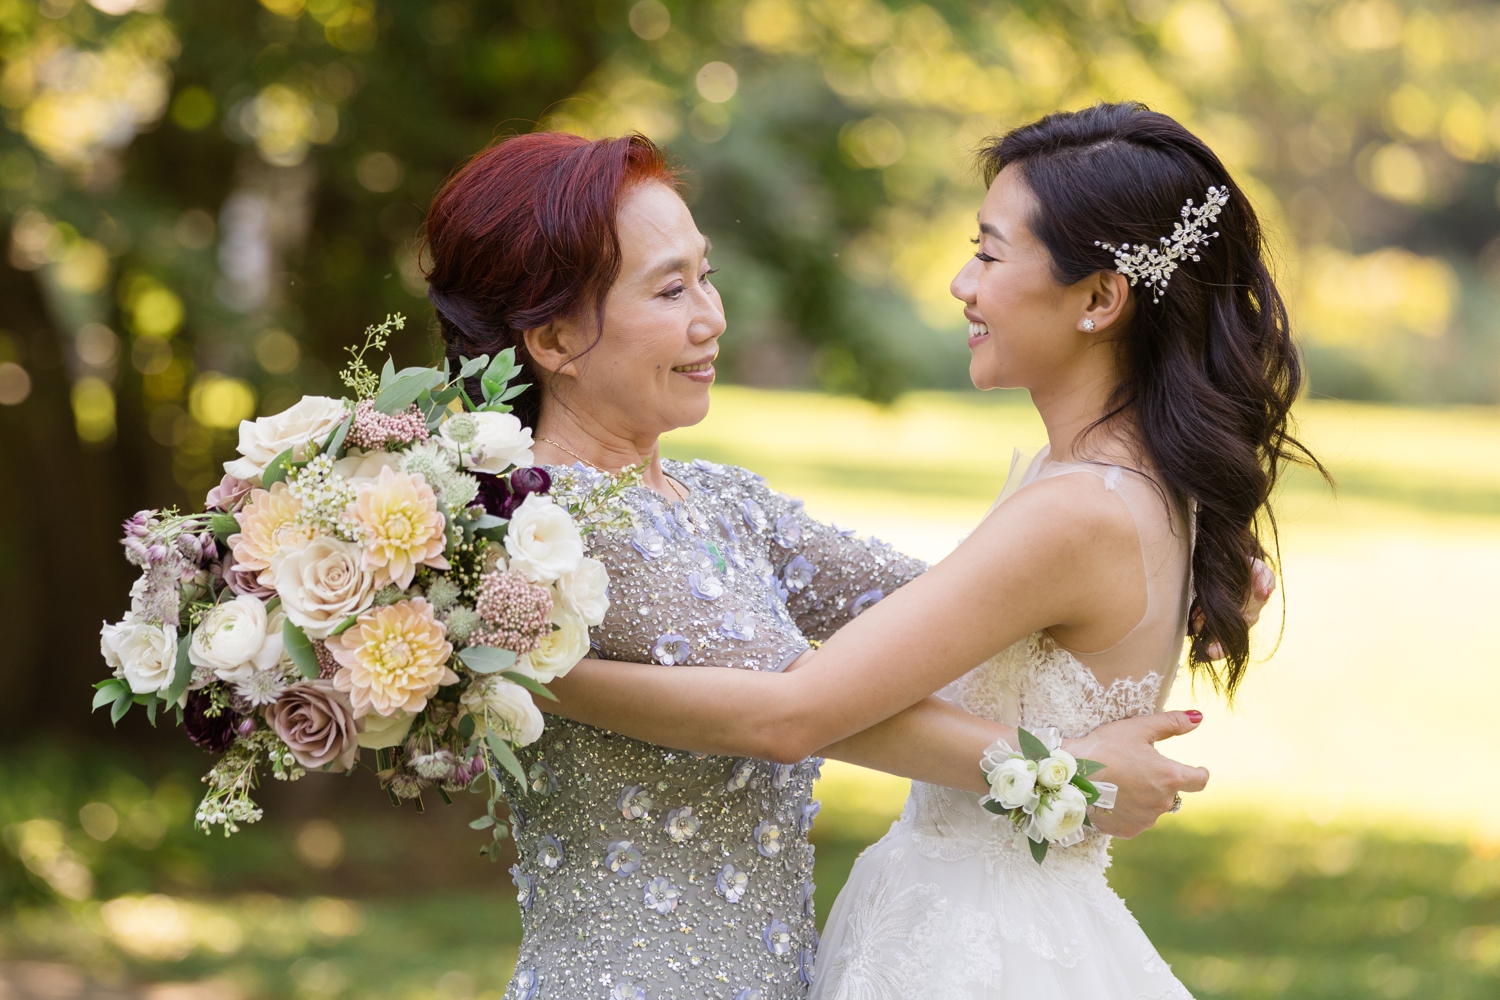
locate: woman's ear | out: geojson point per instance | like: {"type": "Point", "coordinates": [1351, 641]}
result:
{"type": "Point", "coordinates": [1107, 298]}
{"type": "Point", "coordinates": [552, 347]}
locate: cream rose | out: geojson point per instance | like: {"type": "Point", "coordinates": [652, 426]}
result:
{"type": "Point", "coordinates": [322, 583]}
{"type": "Point", "coordinates": [146, 654]}
{"type": "Point", "coordinates": [542, 540]}
{"type": "Point", "coordinates": [488, 442]}
{"type": "Point", "coordinates": [585, 591]}
{"type": "Point", "coordinates": [1062, 814]}
{"type": "Point", "coordinates": [561, 649]}
{"type": "Point", "coordinates": [364, 466]}
{"type": "Point", "coordinates": [1057, 770]}
{"type": "Point", "coordinates": [232, 638]}
{"type": "Point", "coordinates": [1013, 782]}
{"type": "Point", "coordinates": [303, 426]}
{"type": "Point", "coordinates": [507, 706]}
{"type": "Point", "coordinates": [385, 731]}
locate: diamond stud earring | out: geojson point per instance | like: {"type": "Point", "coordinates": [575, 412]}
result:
{"type": "Point", "coordinates": [1088, 326]}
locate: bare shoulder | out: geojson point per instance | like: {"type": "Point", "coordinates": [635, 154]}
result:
{"type": "Point", "coordinates": [1063, 514]}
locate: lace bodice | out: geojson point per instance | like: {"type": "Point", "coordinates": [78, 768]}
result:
{"type": "Point", "coordinates": [646, 872]}
{"type": "Point", "coordinates": [1036, 683]}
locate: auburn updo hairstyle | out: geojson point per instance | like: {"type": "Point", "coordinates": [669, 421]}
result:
{"type": "Point", "coordinates": [1209, 372]}
{"type": "Point", "coordinates": [523, 234]}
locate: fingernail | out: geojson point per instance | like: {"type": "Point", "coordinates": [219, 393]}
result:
{"type": "Point", "coordinates": [1194, 716]}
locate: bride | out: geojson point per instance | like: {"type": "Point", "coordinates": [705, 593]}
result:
{"type": "Point", "coordinates": [1119, 276]}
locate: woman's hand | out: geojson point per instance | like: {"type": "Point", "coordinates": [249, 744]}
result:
{"type": "Point", "coordinates": [1262, 586]}
{"type": "Point", "coordinates": [1148, 782]}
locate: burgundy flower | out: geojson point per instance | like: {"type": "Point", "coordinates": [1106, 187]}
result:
{"type": "Point", "coordinates": [212, 734]}
{"type": "Point", "coordinates": [530, 479]}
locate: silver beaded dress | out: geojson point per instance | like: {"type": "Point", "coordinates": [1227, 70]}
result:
{"type": "Point", "coordinates": [653, 874]}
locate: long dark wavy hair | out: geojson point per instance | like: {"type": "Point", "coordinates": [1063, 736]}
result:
{"type": "Point", "coordinates": [1208, 373]}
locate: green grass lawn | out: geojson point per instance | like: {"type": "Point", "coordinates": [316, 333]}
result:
{"type": "Point", "coordinates": [1276, 882]}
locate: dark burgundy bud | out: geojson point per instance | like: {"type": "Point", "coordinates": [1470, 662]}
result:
{"type": "Point", "coordinates": [495, 495]}
{"type": "Point", "coordinates": [212, 734]}
{"type": "Point", "coordinates": [530, 479]}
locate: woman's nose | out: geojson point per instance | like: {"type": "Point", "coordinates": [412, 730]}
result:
{"type": "Point", "coordinates": [710, 321]}
{"type": "Point", "coordinates": [965, 284]}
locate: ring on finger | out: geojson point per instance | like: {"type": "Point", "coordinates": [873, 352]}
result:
{"type": "Point", "coordinates": [1176, 803]}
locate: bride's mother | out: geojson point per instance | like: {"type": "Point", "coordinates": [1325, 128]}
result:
{"type": "Point", "coordinates": [648, 872]}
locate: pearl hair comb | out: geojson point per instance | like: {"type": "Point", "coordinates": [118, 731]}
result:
{"type": "Point", "coordinates": [1142, 263]}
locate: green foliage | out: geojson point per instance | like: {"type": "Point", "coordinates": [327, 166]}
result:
{"type": "Point", "coordinates": [300, 648]}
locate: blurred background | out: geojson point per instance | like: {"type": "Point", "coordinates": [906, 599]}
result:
{"type": "Point", "coordinates": [202, 201]}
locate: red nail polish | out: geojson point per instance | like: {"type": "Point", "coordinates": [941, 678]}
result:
{"type": "Point", "coordinates": [1195, 715]}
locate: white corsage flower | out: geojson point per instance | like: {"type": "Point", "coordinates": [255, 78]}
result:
{"type": "Point", "coordinates": [322, 583]}
{"type": "Point", "coordinates": [1013, 783]}
{"type": "Point", "coordinates": [143, 654]}
{"type": "Point", "coordinates": [303, 426]}
{"type": "Point", "coordinates": [1057, 770]}
{"type": "Point", "coordinates": [561, 649]}
{"type": "Point", "coordinates": [488, 442]}
{"type": "Point", "coordinates": [508, 707]}
{"type": "Point", "coordinates": [231, 640]}
{"type": "Point", "coordinates": [542, 540]}
{"type": "Point", "coordinates": [1062, 814]}
{"type": "Point", "coordinates": [585, 591]}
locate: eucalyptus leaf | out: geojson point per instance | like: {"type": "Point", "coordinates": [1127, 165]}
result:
{"type": "Point", "coordinates": [1038, 850]}
{"type": "Point", "coordinates": [107, 692]}
{"type": "Point", "coordinates": [1087, 767]}
{"type": "Point", "coordinates": [506, 757]}
{"type": "Point", "coordinates": [336, 439]}
{"type": "Point", "coordinates": [501, 368]}
{"type": "Point", "coordinates": [223, 526]}
{"type": "Point", "coordinates": [121, 706]}
{"type": "Point", "coordinates": [487, 659]}
{"type": "Point", "coordinates": [482, 823]}
{"type": "Point", "coordinates": [466, 727]}
{"type": "Point", "coordinates": [300, 648]}
{"type": "Point", "coordinates": [404, 391]}
{"type": "Point", "coordinates": [182, 673]}
{"type": "Point", "coordinates": [513, 392]}
{"type": "Point", "coordinates": [387, 373]}
{"type": "Point", "coordinates": [470, 368]}
{"type": "Point", "coordinates": [1031, 747]}
{"type": "Point", "coordinates": [346, 625]}
{"type": "Point", "coordinates": [151, 711]}
{"type": "Point", "coordinates": [529, 683]}
{"type": "Point", "coordinates": [277, 469]}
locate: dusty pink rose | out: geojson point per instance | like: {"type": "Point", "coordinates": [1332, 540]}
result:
{"type": "Point", "coordinates": [243, 581]}
{"type": "Point", "coordinates": [229, 492]}
{"type": "Point", "coordinates": [317, 724]}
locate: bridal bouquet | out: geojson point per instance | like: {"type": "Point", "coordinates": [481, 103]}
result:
{"type": "Point", "coordinates": [1043, 789]}
{"type": "Point", "coordinates": [385, 574]}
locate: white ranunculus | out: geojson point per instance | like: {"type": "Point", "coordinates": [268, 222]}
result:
{"type": "Point", "coordinates": [322, 583]}
{"type": "Point", "coordinates": [1013, 782]}
{"type": "Point", "coordinates": [229, 637]}
{"type": "Point", "coordinates": [1057, 770]}
{"type": "Point", "coordinates": [110, 637]}
{"type": "Point", "coordinates": [561, 649]}
{"type": "Point", "coordinates": [147, 655]}
{"type": "Point", "coordinates": [542, 540]}
{"type": "Point", "coordinates": [585, 591]}
{"type": "Point", "coordinates": [488, 442]}
{"type": "Point", "coordinates": [364, 466]}
{"type": "Point", "coordinates": [508, 706]}
{"type": "Point", "coordinates": [1063, 814]}
{"type": "Point", "coordinates": [383, 731]}
{"type": "Point", "coordinates": [304, 426]}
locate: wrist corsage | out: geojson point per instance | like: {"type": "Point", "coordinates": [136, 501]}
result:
{"type": "Point", "coordinates": [1043, 789]}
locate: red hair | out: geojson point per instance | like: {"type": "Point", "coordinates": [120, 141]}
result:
{"type": "Point", "coordinates": [524, 234]}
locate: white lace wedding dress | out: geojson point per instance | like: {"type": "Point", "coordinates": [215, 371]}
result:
{"type": "Point", "coordinates": [950, 905]}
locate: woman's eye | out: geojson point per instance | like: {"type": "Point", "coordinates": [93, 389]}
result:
{"type": "Point", "coordinates": [981, 255]}
{"type": "Point", "coordinates": [705, 274]}
{"type": "Point", "coordinates": [675, 292]}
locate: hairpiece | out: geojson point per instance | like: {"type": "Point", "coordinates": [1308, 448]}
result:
{"type": "Point", "coordinates": [1155, 267]}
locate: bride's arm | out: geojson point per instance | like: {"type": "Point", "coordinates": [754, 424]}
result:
{"type": "Point", "coordinates": [1034, 562]}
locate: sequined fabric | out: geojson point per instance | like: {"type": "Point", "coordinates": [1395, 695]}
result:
{"type": "Point", "coordinates": [652, 874]}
